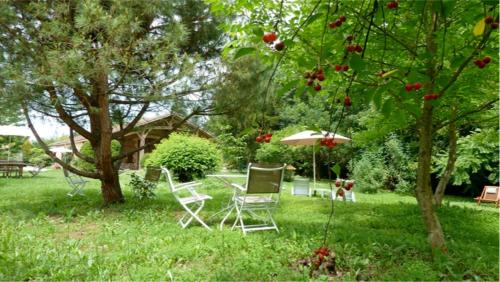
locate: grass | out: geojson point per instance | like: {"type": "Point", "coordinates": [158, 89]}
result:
{"type": "Point", "coordinates": [46, 235]}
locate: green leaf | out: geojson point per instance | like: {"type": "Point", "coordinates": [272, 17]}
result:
{"type": "Point", "coordinates": [357, 62]}
{"type": "Point", "coordinates": [389, 73]}
{"type": "Point", "coordinates": [314, 18]}
{"type": "Point", "coordinates": [244, 51]}
{"type": "Point", "coordinates": [388, 107]}
{"type": "Point", "coordinates": [336, 170]}
{"type": "Point", "coordinates": [258, 31]}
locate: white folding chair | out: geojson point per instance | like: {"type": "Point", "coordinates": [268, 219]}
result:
{"type": "Point", "coordinates": [193, 203]}
{"type": "Point", "coordinates": [76, 182]}
{"type": "Point", "coordinates": [259, 198]}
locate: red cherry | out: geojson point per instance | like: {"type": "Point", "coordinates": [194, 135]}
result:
{"type": "Point", "coordinates": [320, 70]}
{"type": "Point", "coordinates": [481, 64]}
{"type": "Point", "coordinates": [338, 183]}
{"type": "Point", "coordinates": [345, 68]}
{"type": "Point", "coordinates": [408, 87]}
{"type": "Point", "coordinates": [279, 45]}
{"type": "Point", "coordinates": [350, 48]}
{"type": "Point", "coordinates": [488, 19]}
{"type": "Point", "coordinates": [347, 101]}
{"type": "Point", "coordinates": [487, 59]}
{"type": "Point", "coordinates": [338, 67]}
{"type": "Point", "coordinates": [494, 25]}
{"type": "Point", "coordinates": [310, 82]}
{"type": "Point", "coordinates": [349, 38]}
{"type": "Point", "coordinates": [358, 48]}
{"type": "Point", "coordinates": [342, 18]}
{"type": "Point", "coordinates": [268, 135]}
{"type": "Point", "coordinates": [434, 96]}
{"type": "Point", "coordinates": [427, 97]}
{"type": "Point", "coordinates": [417, 85]}
{"type": "Point", "coordinates": [477, 62]}
{"type": "Point", "coordinates": [392, 5]}
{"type": "Point", "coordinates": [338, 23]}
{"type": "Point", "coordinates": [332, 25]}
{"type": "Point", "coordinates": [314, 75]}
{"type": "Point", "coordinates": [317, 87]}
{"type": "Point", "coordinates": [267, 139]}
{"type": "Point", "coordinates": [269, 37]}
{"type": "Point", "coordinates": [320, 76]}
{"type": "Point", "coordinates": [259, 138]}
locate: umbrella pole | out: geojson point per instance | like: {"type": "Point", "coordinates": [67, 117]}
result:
{"type": "Point", "coordinates": [314, 171]}
{"type": "Point", "coordinates": [8, 153]}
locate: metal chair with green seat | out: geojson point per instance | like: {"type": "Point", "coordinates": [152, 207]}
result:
{"type": "Point", "coordinates": [259, 198]}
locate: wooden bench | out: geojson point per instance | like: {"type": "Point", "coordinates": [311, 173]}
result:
{"type": "Point", "coordinates": [489, 194]}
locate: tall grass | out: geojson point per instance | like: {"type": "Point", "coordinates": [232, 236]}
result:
{"type": "Point", "coordinates": [46, 235]}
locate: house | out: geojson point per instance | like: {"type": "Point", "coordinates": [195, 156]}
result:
{"type": "Point", "coordinates": [146, 130]}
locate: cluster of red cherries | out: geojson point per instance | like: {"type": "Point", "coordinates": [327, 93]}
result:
{"type": "Point", "coordinates": [338, 22]}
{"type": "Point", "coordinates": [413, 86]}
{"type": "Point", "coordinates": [341, 67]}
{"type": "Point", "coordinates": [311, 76]}
{"type": "Point", "coordinates": [354, 48]}
{"type": "Point", "coordinates": [264, 138]}
{"type": "Point", "coordinates": [392, 5]}
{"type": "Point", "coordinates": [348, 184]}
{"type": "Point", "coordinates": [271, 38]}
{"type": "Point", "coordinates": [327, 142]}
{"type": "Point", "coordinates": [482, 63]}
{"type": "Point", "coordinates": [432, 96]}
{"type": "Point", "coordinates": [489, 20]}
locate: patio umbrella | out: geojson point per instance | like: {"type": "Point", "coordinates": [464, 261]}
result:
{"type": "Point", "coordinates": [310, 137]}
{"type": "Point", "coordinates": [9, 130]}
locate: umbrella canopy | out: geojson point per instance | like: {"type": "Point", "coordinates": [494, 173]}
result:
{"type": "Point", "coordinates": [9, 130]}
{"type": "Point", "coordinates": [310, 137]}
{"type": "Point", "coordinates": [60, 150]}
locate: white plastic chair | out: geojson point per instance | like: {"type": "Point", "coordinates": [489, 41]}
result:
{"type": "Point", "coordinates": [259, 198]}
{"type": "Point", "coordinates": [193, 203]}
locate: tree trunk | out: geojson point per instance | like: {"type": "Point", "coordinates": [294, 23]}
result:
{"type": "Point", "coordinates": [110, 181]}
{"type": "Point", "coordinates": [424, 125]}
{"type": "Point", "coordinates": [450, 165]}
{"type": "Point", "coordinates": [424, 191]}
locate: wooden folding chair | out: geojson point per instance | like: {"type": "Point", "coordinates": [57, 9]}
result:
{"type": "Point", "coordinates": [489, 194]}
{"type": "Point", "coordinates": [193, 203]}
{"type": "Point", "coordinates": [76, 182]}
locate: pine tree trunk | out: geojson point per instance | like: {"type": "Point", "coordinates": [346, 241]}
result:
{"type": "Point", "coordinates": [450, 165]}
{"type": "Point", "coordinates": [110, 181]}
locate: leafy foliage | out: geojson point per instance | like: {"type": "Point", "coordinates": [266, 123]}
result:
{"type": "Point", "coordinates": [38, 158]}
{"type": "Point", "coordinates": [476, 153]}
{"type": "Point", "coordinates": [142, 188]}
{"type": "Point", "coordinates": [87, 150]}
{"type": "Point", "coordinates": [187, 156]}
{"type": "Point", "coordinates": [234, 150]}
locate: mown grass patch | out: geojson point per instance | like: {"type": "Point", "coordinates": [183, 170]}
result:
{"type": "Point", "coordinates": [44, 234]}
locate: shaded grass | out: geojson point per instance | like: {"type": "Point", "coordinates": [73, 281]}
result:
{"type": "Point", "coordinates": [44, 234]}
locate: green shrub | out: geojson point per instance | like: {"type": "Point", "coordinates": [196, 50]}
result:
{"type": "Point", "coordinates": [38, 158]}
{"type": "Point", "coordinates": [234, 150]}
{"type": "Point", "coordinates": [143, 189]}
{"type": "Point", "coordinates": [87, 150]}
{"type": "Point", "coordinates": [187, 156]}
{"type": "Point", "coordinates": [369, 173]}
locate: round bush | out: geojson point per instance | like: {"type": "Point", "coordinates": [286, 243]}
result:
{"type": "Point", "coordinates": [87, 150]}
{"type": "Point", "coordinates": [186, 156]}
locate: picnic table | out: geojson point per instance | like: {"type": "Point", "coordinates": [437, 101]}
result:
{"type": "Point", "coordinates": [11, 168]}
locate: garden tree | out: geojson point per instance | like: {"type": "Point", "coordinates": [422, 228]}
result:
{"type": "Point", "coordinates": [422, 64]}
{"type": "Point", "coordinates": [99, 66]}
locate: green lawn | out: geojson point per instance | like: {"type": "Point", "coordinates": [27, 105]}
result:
{"type": "Point", "coordinates": [45, 235]}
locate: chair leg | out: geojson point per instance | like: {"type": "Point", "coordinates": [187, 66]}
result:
{"type": "Point", "coordinates": [226, 216]}
{"type": "Point", "coordinates": [194, 215]}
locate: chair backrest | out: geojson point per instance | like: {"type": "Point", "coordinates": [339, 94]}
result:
{"type": "Point", "coordinates": [152, 174]}
{"type": "Point", "coordinates": [264, 178]}
{"type": "Point", "coordinates": [168, 178]}
{"type": "Point", "coordinates": [491, 193]}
